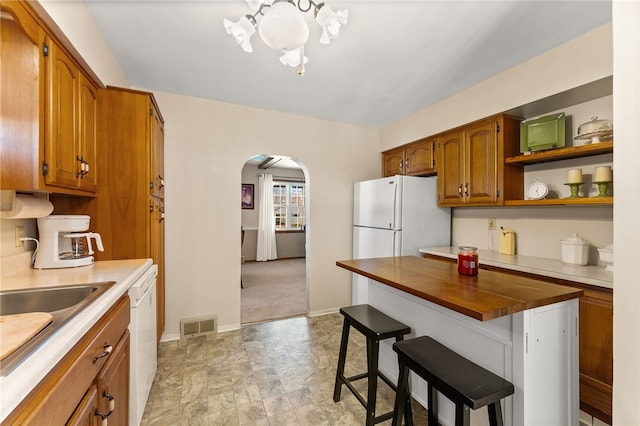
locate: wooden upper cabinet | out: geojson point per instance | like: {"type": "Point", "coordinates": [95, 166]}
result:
{"type": "Point", "coordinates": [71, 116]}
{"type": "Point", "coordinates": [471, 168]}
{"type": "Point", "coordinates": [393, 162]}
{"type": "Point", "coordinates": [22, 81]}
{"type": "Point", "coordinates": [481, 163]}
{"type": "Point", "coordinates": [415, 159]}
{"type": "Point", "coordinates": [420, 158]}
{"type": "Point", "coordinates": [48, 110]}
{"type": "Point", "coordinates": [450, 168]}
{"type": "Point", "coordinates": [157, 154]}
{"type": "Point", "coordinates": [61, 135]}
{"type": "Point", "coordinates": [88, 147]}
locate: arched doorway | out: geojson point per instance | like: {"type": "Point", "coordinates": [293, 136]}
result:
{"type": "Point", "coordinates": [274, 287]}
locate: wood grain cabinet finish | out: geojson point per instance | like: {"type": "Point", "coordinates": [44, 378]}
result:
{"type": "Point", "coordinates": [60, 397]}
{"type": "Point", "coordinates": [113, 385]}
{"type": "Point", "coordinates": [414, 159]}
{"type": "Point", "coordinates": [470, 163]}
{"type": "Point", "coordinates": [85, 413]}
{"type": "Point", "coordinates": [130, 205]}
{"type": "Point", "coordinates": [596, 354]}
{"type": "Point", "coordinates": [48, 110]}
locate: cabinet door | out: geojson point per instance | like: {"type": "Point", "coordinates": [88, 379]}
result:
{"type": "Point", "coordinates": [596, 357]}
{"type": "Point", "coordinates": [21, 39]}
{"type": "Point", "coordinates": [449, 165]}
{"type": "Point", "coordinates": [85, 414]}
{"type": "Point", "coordinates": [481, 163]}
{"type": "Point", "coordinates": [420, 158]}
{"type": "Point", "coordinates": [61, 135]}
{"type": "Point", "coordinates": [393, 162]}
{"type": "Point", "coordinates": [157, 254]}
{"type": "Point", "coordinates": [157, 154]}
{"type": "Point", "coordinates": [88, 116]}
{"type": "Point", "coordinates": [113, 384]}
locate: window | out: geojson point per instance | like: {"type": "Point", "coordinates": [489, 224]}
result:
{"type": "Point", "coordinates": [288, 205]}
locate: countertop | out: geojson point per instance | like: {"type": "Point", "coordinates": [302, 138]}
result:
{"type": "Point", "coordinates": [588, 274]}
{"type": "Point", "coordinates": [15, 386]}
{"type": "Point", "coordinates": [489, 295]}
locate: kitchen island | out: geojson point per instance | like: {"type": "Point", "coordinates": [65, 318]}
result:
{"type": "Point", "coordinates": [522, 329]}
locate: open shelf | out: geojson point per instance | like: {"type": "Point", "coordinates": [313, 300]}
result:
{"type": "Point", "coordinates": [562, 153]}
{"type": "Point", "coordinates": [594, 201]}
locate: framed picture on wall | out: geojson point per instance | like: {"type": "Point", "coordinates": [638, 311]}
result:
{"type": "Point", "coordinates": [247, 196]}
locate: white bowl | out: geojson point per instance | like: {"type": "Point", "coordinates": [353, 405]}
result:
{"type": "Point", "coordinates": [606, 256]}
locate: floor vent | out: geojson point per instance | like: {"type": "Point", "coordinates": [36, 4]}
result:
{"type": "Point", "coordinates": [198, 326]}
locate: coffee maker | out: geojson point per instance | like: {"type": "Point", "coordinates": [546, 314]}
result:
{"type": "Point", "coordinates": [64, 242]}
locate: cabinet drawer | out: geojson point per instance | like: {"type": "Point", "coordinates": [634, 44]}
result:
{"type": "Point", "coordinates": [55, 399]}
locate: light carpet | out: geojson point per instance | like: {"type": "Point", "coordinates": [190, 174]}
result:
{"type": "Point", "coordinates": [273, 290]}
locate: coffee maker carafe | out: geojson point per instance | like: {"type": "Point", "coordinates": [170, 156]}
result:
{"type": "Point", "coordinates": [64, 242]}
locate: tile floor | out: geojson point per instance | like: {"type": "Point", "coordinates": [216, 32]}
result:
{"type": "Point", "coordinates": [272, 373]}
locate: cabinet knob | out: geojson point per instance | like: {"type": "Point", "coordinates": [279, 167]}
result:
{"type": "Point", "coordinates": [466, 189]}
{"type": "Point", "coordinates": [460, 190]}
{"type": "Point", "coordinates": [161, 181]}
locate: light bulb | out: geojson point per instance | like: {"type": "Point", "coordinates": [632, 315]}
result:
{"type": "Point", "coordinates": [283, 27]}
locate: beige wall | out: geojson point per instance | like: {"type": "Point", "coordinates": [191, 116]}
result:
{"type": "Point", "coordinates": [206, 146]}
{"type": "Point", "coordinates": [552, 72]}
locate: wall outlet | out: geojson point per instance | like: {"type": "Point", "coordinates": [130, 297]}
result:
{"type": "Point", "coordinates": [19, 234]}
{"type": "Point", "coordinates": [492, 224]}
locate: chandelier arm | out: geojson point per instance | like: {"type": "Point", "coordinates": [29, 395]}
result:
{"type": "Point", "coordinates": [259, 11]}
{"type": "Point", "coordinates": [308, 8]}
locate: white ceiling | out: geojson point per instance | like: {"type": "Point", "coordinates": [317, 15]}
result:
{"type": "Point", "coordinates": [393, 58]}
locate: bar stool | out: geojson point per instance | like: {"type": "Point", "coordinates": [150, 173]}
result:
{"type": "Point", "coordinates": [375, 326]}
{"type": "Point", "coordinates": [463, 382]}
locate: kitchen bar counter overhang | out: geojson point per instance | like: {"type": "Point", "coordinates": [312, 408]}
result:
{"type": "Point", "coordinates": [522, 329]}
{"type": "Point", "coordinates": [484, 297]}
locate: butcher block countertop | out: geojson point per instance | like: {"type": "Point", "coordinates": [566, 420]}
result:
{"type": "Point", "coordinates": [489, 295]}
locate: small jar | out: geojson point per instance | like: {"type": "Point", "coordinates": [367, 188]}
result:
{"type": "Point", "coordinates": [467, 260]}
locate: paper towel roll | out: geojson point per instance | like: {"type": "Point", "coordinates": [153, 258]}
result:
{"type": "Point", "coordinates": [28, 207]}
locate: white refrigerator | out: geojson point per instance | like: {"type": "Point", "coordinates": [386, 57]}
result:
{"type": "Point", "coordinates": [396, 216]}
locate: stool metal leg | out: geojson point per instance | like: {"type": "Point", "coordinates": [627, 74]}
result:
{"type": "Point", "coordinates": [495, 414]}
{"type": "Point", "coordinates": [337, 390]}
{"type": "Point", "coordinates": [372, 379]}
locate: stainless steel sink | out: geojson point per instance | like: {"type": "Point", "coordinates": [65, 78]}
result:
{"type": "Point", "coordinates": [63, 303]}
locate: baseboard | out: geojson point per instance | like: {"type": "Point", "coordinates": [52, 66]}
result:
{"type": "Point", "coordinates": [323, 312]}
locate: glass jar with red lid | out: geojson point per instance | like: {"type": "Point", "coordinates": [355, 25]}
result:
{"type": "Point", "coordinates": [467, 260]}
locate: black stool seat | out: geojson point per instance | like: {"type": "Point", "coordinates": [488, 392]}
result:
{"type": "Point", "coordinates": [375, 326]}
{"type": "Point", "coordinates": [463, 382]}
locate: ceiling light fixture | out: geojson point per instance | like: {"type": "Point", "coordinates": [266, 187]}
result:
{"type": "Point", "coordinates": [284, 28]}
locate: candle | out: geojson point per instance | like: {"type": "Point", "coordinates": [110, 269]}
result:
{"type": "Point", "coordinates": [575, 176]}
{"type": "Point", "coordinates": [603, 174]}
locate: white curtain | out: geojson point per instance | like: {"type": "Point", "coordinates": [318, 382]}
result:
{"type": "Point", "coordinates": [266, 248]}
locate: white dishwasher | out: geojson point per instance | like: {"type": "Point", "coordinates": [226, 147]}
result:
{"type": "Point", "coordinates": [144, 350]}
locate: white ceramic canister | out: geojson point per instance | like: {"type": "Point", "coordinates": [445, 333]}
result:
{"type": "Point", "coordinates": [575, 250]}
